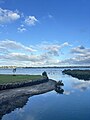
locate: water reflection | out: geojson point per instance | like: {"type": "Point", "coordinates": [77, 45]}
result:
{"type": "Point", "coordinates": [11, 104]}
{"type": "Point", "coordinates": [81, 85]}
{"type": "Point", "coordinates": [16, 101]}
{"type": "Point", "coordinates": [59, 90]}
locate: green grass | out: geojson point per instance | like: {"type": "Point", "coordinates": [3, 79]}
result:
{"type": "Point", "coordinates": [18, 78]}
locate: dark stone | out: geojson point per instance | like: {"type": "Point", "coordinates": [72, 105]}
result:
{"type": "Point", "coordinates": [44, 74]}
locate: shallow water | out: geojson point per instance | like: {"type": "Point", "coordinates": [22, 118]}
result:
{"type": "Point", "coordinates": [74, 104]}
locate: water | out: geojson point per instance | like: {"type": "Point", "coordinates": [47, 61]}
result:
{"type": "Point", "coordinates": [74, 104]}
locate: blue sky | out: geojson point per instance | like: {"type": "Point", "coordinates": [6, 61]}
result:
{"type": "Point", "coordinates": [44, 32]}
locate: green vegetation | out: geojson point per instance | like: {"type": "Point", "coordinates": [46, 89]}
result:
{"type": "Point", "coordinates": [80, 74]}
{"type": "Point", "coordinates": [4, 79]}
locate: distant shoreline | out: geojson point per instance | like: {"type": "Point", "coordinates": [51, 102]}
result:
{"type": "Point", "coordinates": [4, 67]}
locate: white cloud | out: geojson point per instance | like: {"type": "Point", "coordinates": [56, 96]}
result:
{"type": "Point", "coordinates": [42, 55]}
{"type": "Point", "coordinates": [65, 44]}
{"type": "Point", "coordinates": [13, 45]}
{"type": "Point", "coordinates": [8, 15]}
{"type": "Point", "coordinates": [31, 20]}
{"type": "Point", "coordinates": [21, 28]}
{"type": "Point", "coordinates": [3, 50]}
{"type": "Point", "coordinates": [21, 57]}
{"type": "Point", "coordinates": [54, 49]}
{"type": "Point", "coordinates": [16, 52]}
{"type": "Point", "coordinates": [78, 50]}
{"type": "Point", "coordinates": [79, 56]}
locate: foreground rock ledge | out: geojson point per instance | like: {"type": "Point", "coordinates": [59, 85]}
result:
{"type": "Point", "coordinates": [11, 94]}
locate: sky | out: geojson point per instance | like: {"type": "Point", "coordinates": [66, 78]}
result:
{"type": "Point", "coordinates": [36, 33]}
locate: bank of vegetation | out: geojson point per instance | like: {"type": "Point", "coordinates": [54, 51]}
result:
{"type": "Point", "coordinates": [6, 78]}
{"type": "Point", "coordinates": [15, 81]}
{"type": "Point", "coordinates": [80, 74]}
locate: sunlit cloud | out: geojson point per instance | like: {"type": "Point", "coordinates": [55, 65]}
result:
{"type": "Point", "coordinates": [3, 50]}
{"type": "Point", "coordinates": [8, 15]}
{"type": "Point", "coordinates": [42, 55]}
{"type": "Point", "coordinates": [19, 53]}
{"type": "Point", "coordinates": [21, 28]}
{"type": "Point", "coordinates": [13, 45]}
{"type": "Point", "coordinates": [79, 56]}
{"type": "Point", "coordinates": [54, 49]}
{"type": "Point", "coordinates": [31, 20]}
{"type": "Point", "coordinates": [78, 50]}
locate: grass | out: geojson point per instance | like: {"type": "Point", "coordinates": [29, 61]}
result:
{"type": "Point", "coordinates": [4, 79]}
{"type": "Point", "coordinates": [80, 74]}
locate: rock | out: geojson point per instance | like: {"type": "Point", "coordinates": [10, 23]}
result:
{"type": "Point", "coordinates": [44, 74]}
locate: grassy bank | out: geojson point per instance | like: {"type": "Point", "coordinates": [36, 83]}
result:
{"type": "Point", "coordinates": [80, 74]}
{"type": "Point", "coordinates": [4, 79]}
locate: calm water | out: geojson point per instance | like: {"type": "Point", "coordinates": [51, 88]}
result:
{"type": "Point", "coordinates": [74, 104]}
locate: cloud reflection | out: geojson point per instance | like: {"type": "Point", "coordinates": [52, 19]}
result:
{"type": "Point", "coordinates": [82, 85]}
